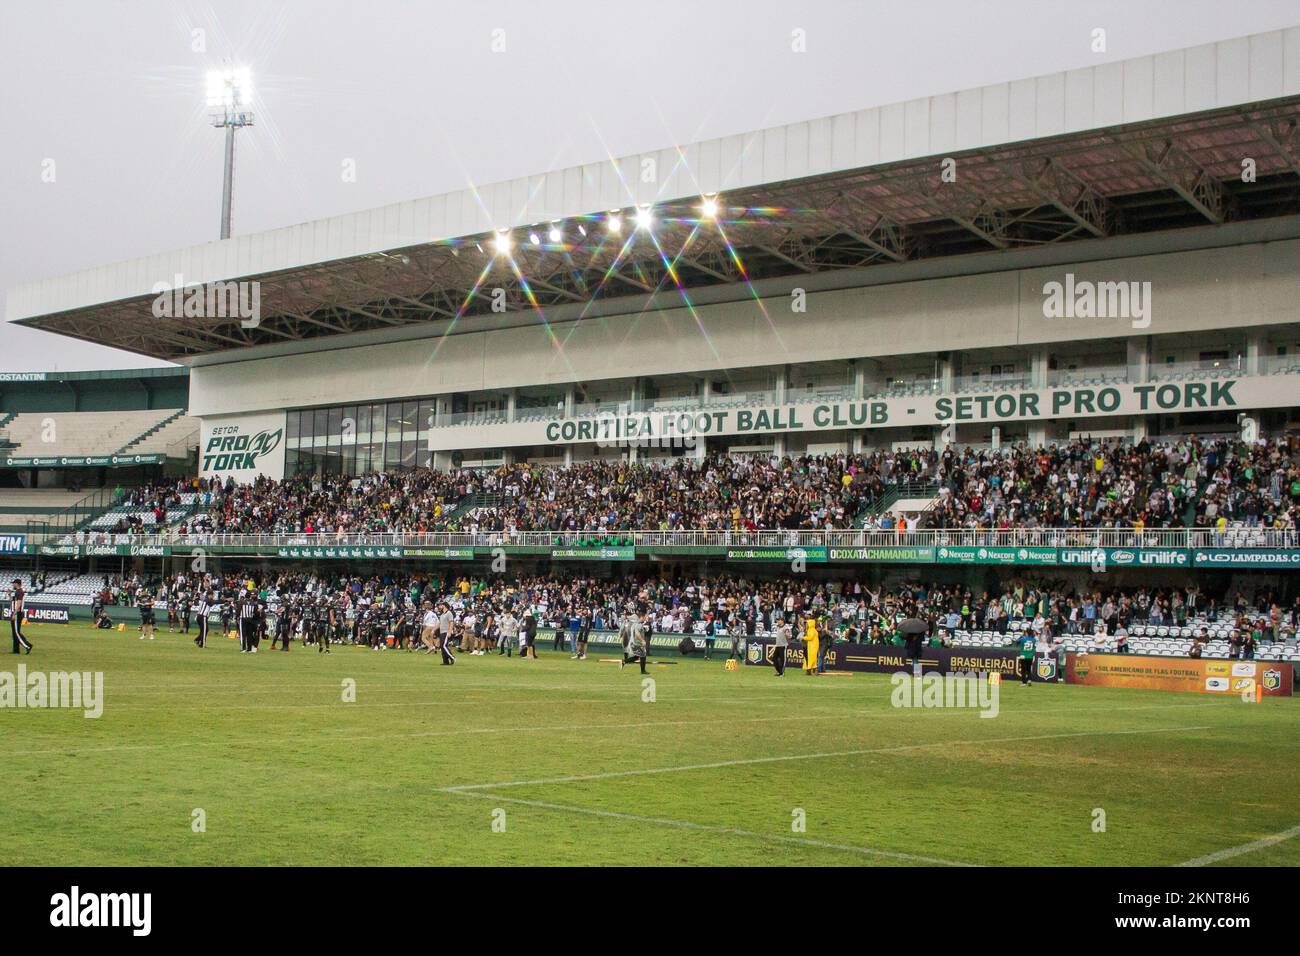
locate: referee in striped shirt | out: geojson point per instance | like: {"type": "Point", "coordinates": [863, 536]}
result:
{"type": "Point", "coordinates": [201, 611]}
{"type": "Point", "coordinates": [248, 622]}
{"type": "Point", "coordinates": [17, 616]}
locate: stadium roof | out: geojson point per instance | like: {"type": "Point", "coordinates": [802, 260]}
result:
{"type": "Point", "coordinates": [1127, 149]}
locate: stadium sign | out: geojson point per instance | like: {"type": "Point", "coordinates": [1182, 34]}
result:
{"type": "Point", "coordinates": [108, 550]}
{"type": "Point", "coordinates": [1236, 558]}
{"type": "Point", "coordinates": [814, 555]}
{"type": "Point", "coordinates": [60, 550]}
{"type": "Point", "coordinates": [888, 555]}
{"type": "Point", "coordinates": [243, 447]}
{"type": "Point", "coordinates": [86, 461]}
{"type": "Point", "coordinates": [1187, 674]}
{"type": "Point", "coordinates": [23, 376]}
{"type": "Point", "coordinates": [1126, 557]}
{"type": "Point", "coordinates": [43, 613]}
{"type": "Point", "coordinates": [13, 543]}
{"type": "Point", "coordinates": [622, 553]}
{"type": "Point", "coordinates": [999, 556]}
{"type": "Point", "coordinates": [339, 553]}
{"type": "Point", "coordinates": [1031, 404]}
{"type": "Point", "coordinates": [890, 658]}
{"type": "Point", "coordinates": [442, 554]}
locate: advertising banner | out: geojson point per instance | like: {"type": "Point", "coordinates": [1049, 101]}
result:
{"type": "Point", "coordinates": [1190, 675]}
{"type": "Point", "coordinates": [13, 543]}
{"type": "Point", "coordinates": [813, 555]}
{"type": "Point", "coordinates": [992, 555]}
{"type": "Point", "coordinates": [87, 461]}
{"type": "Point", "coordinates": [244, 446]}
{"type": "Point", "coordinates": [622, 553]}
{"type": "Point", "coordinates": [888, 659]}
{"type": "Point", "coordinates": [43, 613]}
{"type": "Point", "coordinates": [441, 554]}
{"type": "Point", "coordinates": [115, 550]}
{"type": "Point", "coordinates": [1102, 558]}
{"type": "Point", "coordinates": [1244, 558]}
{"type": "Point", "coordinates": [347, 551]}
{"type": "Point", "coordinates": [903, 554]}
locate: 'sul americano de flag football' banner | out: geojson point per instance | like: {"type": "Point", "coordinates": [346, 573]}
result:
{"type": "Point", "coordinates": [1191, 675]}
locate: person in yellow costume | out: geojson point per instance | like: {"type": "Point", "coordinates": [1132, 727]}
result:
{"type": "Point", "coordinates": [812, 642]}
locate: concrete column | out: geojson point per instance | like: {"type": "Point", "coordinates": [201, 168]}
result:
{"type": "Point", "coordinates": [1256, 349]}
{"type": "Point", "coordinates": [946, 372]}
{"type": "Point", "coordinates": [1139, 359]}
{"type": "Point", "coordinates": [1038, 369]}
{"type": "Point", "coordinates": [859, 379]}
{"type": "Point", "coordinates": [570, 400]}
{"type": "Point", "coordinates": [782, 384]}
{"type": "Point", "coordinates": [1138, 431]}
{"type": "Point", "coordinates": [512, 404]}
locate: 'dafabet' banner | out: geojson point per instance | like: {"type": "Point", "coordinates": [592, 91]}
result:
{"type": "Point", "coordinates": [1179, 673]}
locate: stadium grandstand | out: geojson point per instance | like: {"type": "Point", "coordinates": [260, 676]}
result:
{"type": "Point", "coordinates": [70, 442]}
{"type": "Point", "coordinates": [1026, 324]}
{"type": "Point", "coordinates": [701, 506]}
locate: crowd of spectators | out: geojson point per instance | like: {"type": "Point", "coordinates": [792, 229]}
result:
{"type": "Point", "coordinates": [1088, 484]}
{"type": "Point", "coordinates": [1080, 483]}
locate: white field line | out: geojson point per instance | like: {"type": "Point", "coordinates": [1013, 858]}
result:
{"type": "Point", "coordinates": [715, 828]}
{"type": "Point", "coordinates": [1251, 847]}
{"type": "Point", "coordinates": [422, 733]}
{"type": "Point", "coordinates": [749, 761]}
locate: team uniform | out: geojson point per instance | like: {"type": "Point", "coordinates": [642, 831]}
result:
{"type": "Point", "coordinates": [248, 611]}
{"type": "Point", "coordinates": [202, 609]}
{"type": "Point", "coordinates": [1026, 661]}
{"type": "Point", "coordinates": [146, 606]}
{"type": "Point", "coordinates": [17, 617]}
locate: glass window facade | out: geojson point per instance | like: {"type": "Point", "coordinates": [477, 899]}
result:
{"type": "Point", "coordinates": [356, 439]}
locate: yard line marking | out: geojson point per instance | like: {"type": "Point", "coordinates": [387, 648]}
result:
{"type": "Point", "coordinates": [413, 734]}
{"type": "Point", "coordinates": [1251, 847]}
{"type": "Point", "coordinates": [715, 828]}
{"type": "Point", "coordinates": [462, 788]}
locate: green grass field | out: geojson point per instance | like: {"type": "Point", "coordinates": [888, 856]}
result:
{"type": "Point", "coordinates": [582, 771]}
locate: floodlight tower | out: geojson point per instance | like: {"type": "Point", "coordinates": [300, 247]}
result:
{"type": "Point", "coordinates": [230, 101]}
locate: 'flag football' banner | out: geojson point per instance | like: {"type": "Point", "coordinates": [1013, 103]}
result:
{"type": "Point", "coordinates": [1192, 675]}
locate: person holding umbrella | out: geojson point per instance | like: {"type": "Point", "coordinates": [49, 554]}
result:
{"type": "Point", "coordinates": [913, 629]}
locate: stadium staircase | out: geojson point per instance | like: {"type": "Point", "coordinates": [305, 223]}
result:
{"type": "Point", "coordinates": [78, 517]}
{"type": "Point", "coordinates": [893, 495]}
{"type": "Point", "coordinates": [126, 449]}
{"type": "Point", "coordinates": [471, 503]}
{"type": "Point", "coordinates": [5, 419]}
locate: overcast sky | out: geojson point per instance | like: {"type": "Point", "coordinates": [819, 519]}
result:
{"type": "Point", "coordinates": [112, 91]}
